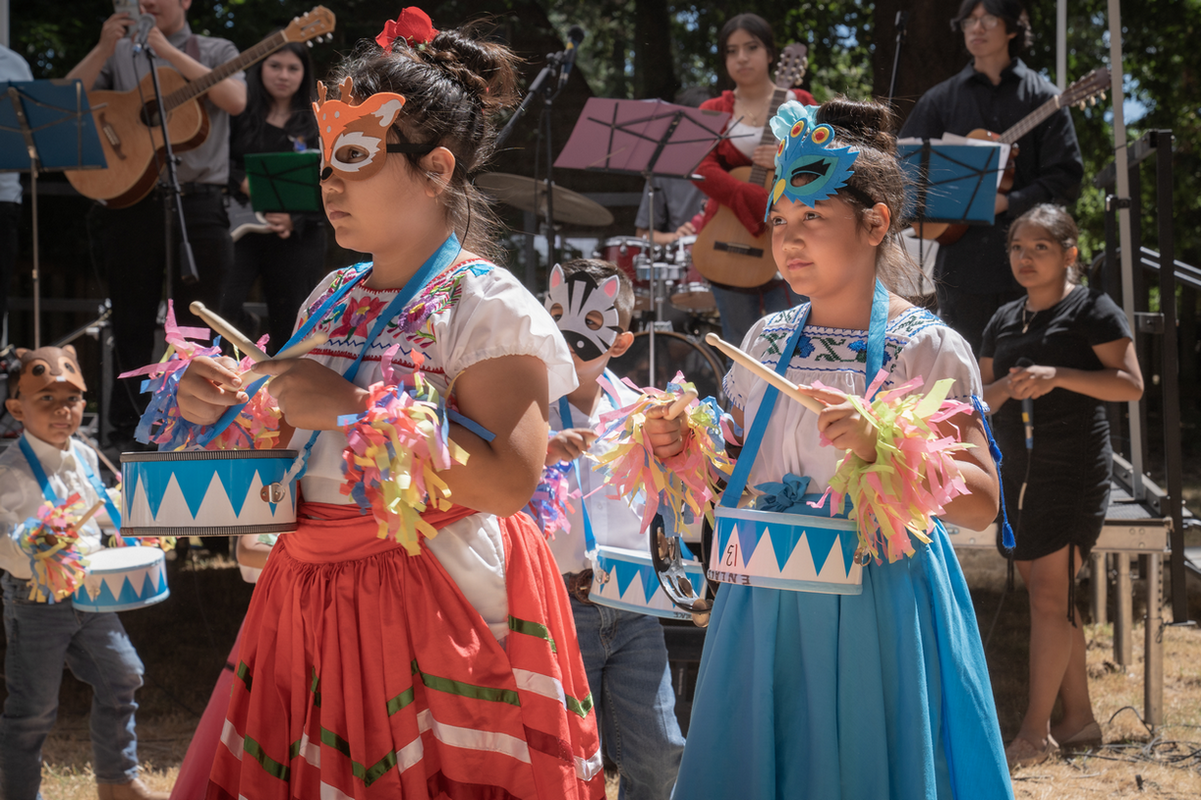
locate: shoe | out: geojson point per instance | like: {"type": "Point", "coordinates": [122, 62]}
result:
{"type": "Point", "coordinates": [1024, 753]}
{"type": "Point", "coordinates": [1087, 737]}
{"type": "Point", "coordinates": [134, 790]}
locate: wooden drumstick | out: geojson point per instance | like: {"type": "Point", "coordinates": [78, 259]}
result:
{"type": "Point", "coordinates": [243, 343]}
{"type": "Point", "coordinates": [779, 381]}
{"type": "Point", "coordinates": [232, 334]}
{"type": "Point", "coordinates": [680, 405]}
{"type": "Point", "coordinates": [91, 513]}
{"type": "Point", "coordinates": [300, 348]}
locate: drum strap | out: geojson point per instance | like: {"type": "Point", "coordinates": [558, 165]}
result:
{"type": "Point", "coordinates": [39, 474]}
{"type": "Point", "coordinates": [875, 361]}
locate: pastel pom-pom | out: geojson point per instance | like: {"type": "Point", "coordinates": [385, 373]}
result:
{"type": "Point", "coordinates": [914, 475]}
{"type": "Point", "coordinates": [551, 502]}
{"type": "Point", "coordinates": [49, 540]}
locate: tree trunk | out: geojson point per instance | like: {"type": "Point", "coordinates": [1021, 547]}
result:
{"type": "Point", "coordinates": [654, 67]}
{"type": "Point", "coordinates": [930, 51]}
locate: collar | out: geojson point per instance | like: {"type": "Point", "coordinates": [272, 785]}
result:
{"type": "Point", "coordinates": [180, 38]}
{"type": "Point", "coordinates": [51, 457]}
{"type": "Point", "coordinates": [1016, 70]}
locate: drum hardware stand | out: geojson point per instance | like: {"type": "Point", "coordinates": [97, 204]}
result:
{"type": "Point", "coordinates": [40, 144]}
{"type": "Point", "coordinates": [172, 207]}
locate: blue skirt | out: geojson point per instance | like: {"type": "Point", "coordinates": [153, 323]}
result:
{"type": "Point", "coordinates": [879, 695]}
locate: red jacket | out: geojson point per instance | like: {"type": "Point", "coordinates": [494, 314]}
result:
{"type": "Point", "coordinates": [749, 202]}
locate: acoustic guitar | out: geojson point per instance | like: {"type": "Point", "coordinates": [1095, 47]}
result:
{"type": "Point", "coordinates": [1088, 88]}
{"type": "Point", "coordinates": [725, 251]}
{"type": "Point", "coordinates": [130, 132]}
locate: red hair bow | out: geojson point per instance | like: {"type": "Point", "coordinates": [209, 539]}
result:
{"type": "Point", "coordinates": [413, 25]}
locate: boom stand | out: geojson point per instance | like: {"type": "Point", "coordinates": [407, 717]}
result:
{"type": "Point", "coordinates": [172, 207]}
{"type": "Point", "coordinates": [51, 128]}
{"type": "Point", "coordinates": [645, 138]}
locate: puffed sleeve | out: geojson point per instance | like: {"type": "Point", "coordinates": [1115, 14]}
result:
{"type": "Point", "coordinates": [738, 381]}
{"type": "Point", "coordinates": [498, 317]}
{"type": "Point", "coordinates": [937, 352]}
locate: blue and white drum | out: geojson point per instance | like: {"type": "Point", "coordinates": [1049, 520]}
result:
{"type": "Point", "coordinates": [207, 493]}
{"type": "Point", "coordinates": [122, 579]}
{"type": "Point", "coordinates": [625, 579]}
{"type": "Point", "coordinates": [796, 552]}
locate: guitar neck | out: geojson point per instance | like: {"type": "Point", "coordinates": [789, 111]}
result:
{"type": "Point", "coordinates": [1031, 121]}
{"type": "Point", "coordinates": [758, 173]}
{"type": "Point", "coordinates": [199, 86]}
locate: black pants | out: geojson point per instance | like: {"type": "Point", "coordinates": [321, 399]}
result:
{"type": "Point", "coordinates": [290, 269]}
{"type": "Point", "coordinates": [10, 226]}
{"type": "Point", "coordinates": [131, 249]}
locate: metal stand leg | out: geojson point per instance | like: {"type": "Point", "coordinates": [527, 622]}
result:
{"type": "Point", "coordinates": [1123, 648]}
{"type": "Point", "coordinates": [1153, 643]}
{"type": "Point", "coordinates": [1099, 568]}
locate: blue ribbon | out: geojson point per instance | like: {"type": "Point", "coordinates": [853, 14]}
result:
{"type": "Point", "coordinates": [39, 474]}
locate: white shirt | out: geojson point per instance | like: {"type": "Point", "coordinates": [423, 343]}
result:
{"type": "Point", "coordinates": [746, 138]}
{"type": "Point", "coordinates": [21, 496]}
{"type": "Point", "coordinates": [614, 522]}
{"type": "Point", "coordinates": [916, 343]}
{"type": "Point", "coordinates": [477, 311]}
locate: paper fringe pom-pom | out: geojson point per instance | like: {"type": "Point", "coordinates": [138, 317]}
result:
{"type": "Point", "coordinates": [395, 450]}
{"type": "Point", "coordinates": [687, 480]}
{"type": "Point", "coordinates": [165, 543]}
{"type": "Point", "coordinates": [49, 540]}
{"type": "Point", "coordinates": [551, 502]}
{"type": "Point", "coordinates": [256, 426]}
{"type": "Point", "coordinates": [889, 497]}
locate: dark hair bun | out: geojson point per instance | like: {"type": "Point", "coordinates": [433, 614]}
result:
{"type": "Point", "coordinates": [485, 69]}
{"type": "Point", "coordinates": [859, 122]}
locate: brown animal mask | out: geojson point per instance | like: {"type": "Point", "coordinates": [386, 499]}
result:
{"type": "Point", "coordinates": [48, 365]}
{"type": "Point", "coordinates": [354, 137]}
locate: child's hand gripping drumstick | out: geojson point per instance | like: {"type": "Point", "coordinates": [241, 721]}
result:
{"type": "Point", "coordinates": [775, 379]}
{"type": "Point", "coordinates": [243, 343]}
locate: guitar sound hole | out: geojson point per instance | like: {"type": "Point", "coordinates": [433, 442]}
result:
{"type": "Point", "coordinates": [150, 115]}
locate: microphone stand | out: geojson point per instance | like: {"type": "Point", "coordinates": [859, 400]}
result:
{"type": "Point", "coordinates": [549, 90]}
{"type": "Point", "coordinates": [172, 207]}
{"type": "Point", "coordinates": [901, 19]}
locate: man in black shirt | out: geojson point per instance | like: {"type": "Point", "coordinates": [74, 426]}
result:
{"type": "Point", "coordinates": [994, 92]}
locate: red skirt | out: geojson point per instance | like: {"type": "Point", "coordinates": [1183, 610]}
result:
{"type": "Point", "coordinates": [365, 673]}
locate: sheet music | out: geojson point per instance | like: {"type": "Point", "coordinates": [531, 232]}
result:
{"type": "Point", "coordinates": [953, 138]}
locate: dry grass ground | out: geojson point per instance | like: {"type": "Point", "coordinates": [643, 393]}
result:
{"type": "Point", "coordinates": [184, 642]}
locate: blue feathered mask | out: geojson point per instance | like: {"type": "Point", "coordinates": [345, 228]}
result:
{"type": "Point", "coordinates": [805, 150]}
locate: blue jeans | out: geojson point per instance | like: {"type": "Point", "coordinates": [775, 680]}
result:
{"type": "Point", "coordinates": [41, 637]}
{"type": "Point", "coordinates": [626, 660]}
{"type": "Point", "coordinates": [742, 309]}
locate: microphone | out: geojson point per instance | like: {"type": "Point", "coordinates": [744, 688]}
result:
{"type": "Point", "coordinates": [1028, 409]}
{"type": "Point", "coordinates": [575, 35]}
{"type": "Point", "coordinates": [142, 32]}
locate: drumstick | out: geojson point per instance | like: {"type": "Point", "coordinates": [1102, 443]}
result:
{"type": "Point", "coordinates": [300, 348]}
{"type": "Point", "coordinates": [232, 334]}
{"type": "Point", "coordinates": [91, 512]}
{"type": "Point", "coordinates": [680, 404]}
{"type": "Point", "coordinates": [779, 381]}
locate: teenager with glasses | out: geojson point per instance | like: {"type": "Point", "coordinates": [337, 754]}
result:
{"type": "Point", "coordinates": [994, 91]}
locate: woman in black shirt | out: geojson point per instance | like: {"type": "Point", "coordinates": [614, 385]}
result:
{"type": "Point", "coordinates": [290, 255]}
{"type": "Point", "coordinates": [1068, 350]}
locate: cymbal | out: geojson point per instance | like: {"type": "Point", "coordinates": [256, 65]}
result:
{"type": "Point", "coordinates": [530, 195]}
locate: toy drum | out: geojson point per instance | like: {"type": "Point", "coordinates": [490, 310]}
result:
{"type": "Point", "coordinates": [207, 493]}
{"type": "Point", "coordinates": [122, 579]}
{"type": "Point", "coordinates": [797, 552]}
{"type": "Point", "coordinates": [625, 579]}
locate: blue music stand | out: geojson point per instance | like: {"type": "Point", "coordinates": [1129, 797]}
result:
{"type": "Point", "coordinates": [46, 126]}
{"type": "Point", "coordinates": [954, 183]}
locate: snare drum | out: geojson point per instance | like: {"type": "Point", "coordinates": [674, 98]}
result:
{"type": "Point", "coordinates": [797, 552]}
{"type": "Point", "coordinates": [693, 294]}
{"type": "Point", "coordinates": [122, 579]}
{"type": "Point", "coordinates": [207, 493]}
{"type": "Point", "coordinates": [625, 579]}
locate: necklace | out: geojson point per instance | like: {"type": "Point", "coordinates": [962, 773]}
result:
{"type": "Point", "coordinates": [1026, 322]}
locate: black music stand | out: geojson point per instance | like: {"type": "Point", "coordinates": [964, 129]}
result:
{"type": "Point", "coordinates": [648, 138]}
{"type": "Point", "coordinates": [46, 126]}
{"type": "Point", "coordinates": [287, 182]}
